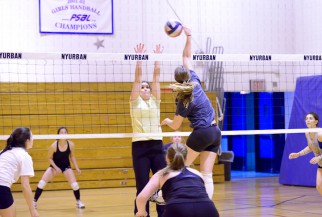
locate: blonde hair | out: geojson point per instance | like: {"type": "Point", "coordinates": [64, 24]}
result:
{"type": "Point", "coordinates": [183, 86]}
{"type": "Point", "coordinates": [177, 154]}
{"type": "Point", "coordinates": [184, 92]}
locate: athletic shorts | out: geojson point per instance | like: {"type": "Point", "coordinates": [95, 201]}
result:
{"type": "Point", "coordinates": [62, 168]}
{"type": "Point", "coordinates": [6, 199]}
{"type": "Point", "coordinates": [205, 139]}
{"type": "Point", "coordinates": [202, 209]}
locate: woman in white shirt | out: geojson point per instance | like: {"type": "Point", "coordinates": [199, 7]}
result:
{"type": "Point", "coordinates": [15, 162]}
{"type": "Point", "coordinates": [147, 153]}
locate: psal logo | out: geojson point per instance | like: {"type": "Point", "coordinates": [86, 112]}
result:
{"type": "Point", "coordinates": [80, 17]}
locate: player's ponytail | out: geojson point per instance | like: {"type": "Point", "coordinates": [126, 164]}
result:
{"type": "Point", "coordinates": [184, 87]}
{"type": "Point", "coordinates": [17, 138]}
{"type": "Point", "coordinates": [176, 155]}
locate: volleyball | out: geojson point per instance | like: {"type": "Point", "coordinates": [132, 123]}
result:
{"type": "Point", "coordinates": [173, 28]}
{"type": "Point", "coordinates": [157, 198]}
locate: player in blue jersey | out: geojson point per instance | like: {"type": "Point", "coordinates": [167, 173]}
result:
{"type": "Point", "coordinates": [193, 103]}
{"type": "Point", "coordinates": [183, 188]}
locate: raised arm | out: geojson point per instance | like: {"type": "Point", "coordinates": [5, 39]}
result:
{"type": "Point", "coordinates": [138, 73]}
{"type": "Point", "coordinates": [156, 91]}
{"type": "Point", "coordinates": [186, 55]}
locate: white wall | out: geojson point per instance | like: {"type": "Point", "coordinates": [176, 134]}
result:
{"type": "Point", "coordinates": [307, 26]}
{"type": "Point", "coordinates": [248, 26]}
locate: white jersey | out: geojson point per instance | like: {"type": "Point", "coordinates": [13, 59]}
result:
{"type": "Point", "coordinates": [13, 164]}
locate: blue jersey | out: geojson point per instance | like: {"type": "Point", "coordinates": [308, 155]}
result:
{"type": "Point", "coordinates": [185, 187]}
{"type": "Point", "coordinates": [200, 112]}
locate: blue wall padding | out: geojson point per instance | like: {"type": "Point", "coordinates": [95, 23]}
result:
{"type": "Point", "coordinates": [307, 97]}
{"type": "Point", "coordinates": [266, 121]}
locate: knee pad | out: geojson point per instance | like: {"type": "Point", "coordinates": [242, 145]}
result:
{"type": "Point", "coordinates": [75, 186]}
{"type": "Point", "coordinates": [209, 182]}
{"type": "Point", "coordinates": [207, 177]}
{"type": "Point", "coordinates": [42, 184]}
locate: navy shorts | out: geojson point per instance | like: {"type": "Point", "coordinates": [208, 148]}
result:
{"type": "Point", "coordinates": [6, 199]}
{"type": "Point", "coordinates": [205, 139]}
{"type": "Point", "coordinates": [202, 209]}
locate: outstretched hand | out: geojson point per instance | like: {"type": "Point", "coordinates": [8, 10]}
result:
{"type": "Point", "coordinates": [293, 155]}
{"type": "Point", "coordinates": [139, 48]}
{"type": "Point", "coordinates": [187, 30]}
{"type": "Point", "coordinates": [158, 48]}
{"type": "Point", "coordinates": [315, 160]}
{"type": "Point", "coordinates": [165, 122]}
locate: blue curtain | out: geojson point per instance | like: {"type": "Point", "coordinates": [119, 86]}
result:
{"type": "Point", "coordinates": [307, 97]}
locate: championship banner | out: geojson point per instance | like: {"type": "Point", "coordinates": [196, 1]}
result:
{"type": "Point", "coordinates": [76, 16]}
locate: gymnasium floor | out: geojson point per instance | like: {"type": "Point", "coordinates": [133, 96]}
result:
{"type": "Point", "coordinates": [248, 194]}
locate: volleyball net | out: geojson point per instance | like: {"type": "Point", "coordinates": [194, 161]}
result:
{"type": "Point", "coordinates": [90, 93]}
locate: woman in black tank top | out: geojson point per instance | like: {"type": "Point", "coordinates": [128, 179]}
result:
{"type": "Point", "coordinates": [59, 155]}
{"type": "Point", "coordinates": [183, 188]}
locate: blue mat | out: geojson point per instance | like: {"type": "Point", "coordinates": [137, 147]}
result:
{"type": "Point", "coordinates": [307, 97]}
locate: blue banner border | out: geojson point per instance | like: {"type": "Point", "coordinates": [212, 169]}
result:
{"type": "Point", "coordinates": [78, 33]}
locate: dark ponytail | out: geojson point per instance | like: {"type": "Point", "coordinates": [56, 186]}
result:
{"type": "Point", "coordinates": [17, 138]}
{"type": "Point", "coordinates": [177, 154]}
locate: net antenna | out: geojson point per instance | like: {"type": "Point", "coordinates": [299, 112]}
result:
{"type": "Point", "coordinates": [199, 47]}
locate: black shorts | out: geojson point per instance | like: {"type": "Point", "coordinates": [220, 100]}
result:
{"type": "Point", "coordinates": [205, 139]}
{"type": "Point", "coordinates": [6, 199]}
{"type": "Point", "coordinates": [62, 168]}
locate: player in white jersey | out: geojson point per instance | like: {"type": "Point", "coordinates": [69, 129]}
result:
{"type": "Point", "coordinates": [147, 153]}
{"type": "Point", "coordinates": [15, 162]}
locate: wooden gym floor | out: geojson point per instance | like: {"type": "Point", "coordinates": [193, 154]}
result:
{"type": "Point", "coordinates": [241, 197]}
